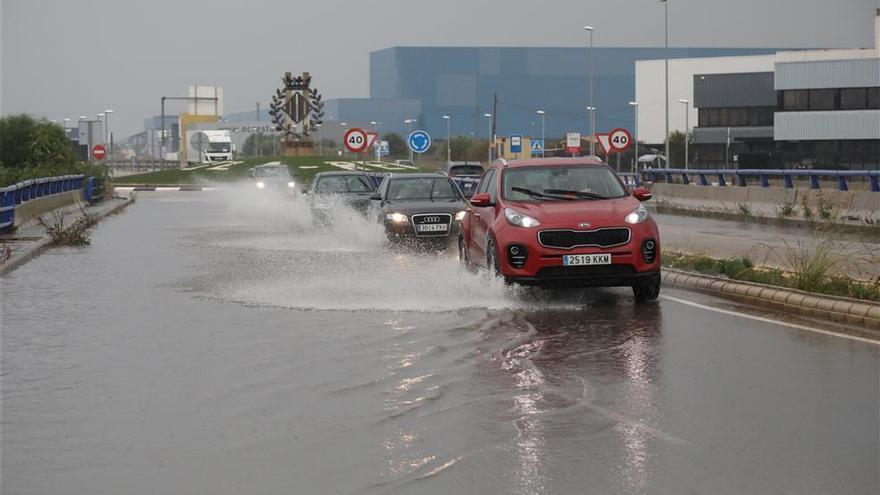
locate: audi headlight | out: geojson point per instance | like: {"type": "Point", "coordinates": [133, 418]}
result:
{"type": "Point", "coordinates": [460, 216]}
{"type": "Point", "coordinates": [638, 215]}
{"type": "Point", "coordinates": [520, 220]}
{"type": "Point", "coordinates": [397, 217]}
{"type": "Point", "coordinates": [261, 184]}
{"type": "Point", "coordinates": [291, 184]}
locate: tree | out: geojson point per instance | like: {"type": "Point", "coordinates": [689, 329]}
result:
{"type": "Point", "coordinates": [25, 142]}
{"type": "Point", "coordinates": [396, 145]}
{"type": "Point", "coordinates": [676, 148]}
{"type": "Point", "coordinates": [259, 144]}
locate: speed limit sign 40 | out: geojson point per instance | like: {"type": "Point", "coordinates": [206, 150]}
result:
{"type": "Point", "coordinates": [619, 140]}
{"type": "Point", "coordinates": [355, 140]}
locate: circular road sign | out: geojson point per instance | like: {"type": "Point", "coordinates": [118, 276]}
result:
{"type": "Point", "coordinates": [355, 140]}
{"type": "Point", "coordinates": [619, 140]}
{"type": "Point", "coordinates": [99, 152]}
{"type": "Point", "coordinates": [419, 141]}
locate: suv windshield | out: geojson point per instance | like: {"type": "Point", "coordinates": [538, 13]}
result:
{"type": "Point", "coordinates": [554, 183]}
{"type": "Point", "coordinates": [439, 188]}
{"type": "Point", "coordinates": [343, 184]}
{"type": "Point", "coordinates": [271, 172]}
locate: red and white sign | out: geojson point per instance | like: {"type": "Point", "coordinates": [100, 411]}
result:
{"type": "Point", "coordinates": [573, 142]}
{"type": "Point", "coordinates": [98, 152]}
{"type": "Point", "coordinates": [371, 139]}
{"type": "Point", "coordinates": [616, 141]}
{"type": "Point", "coordinates": [355, 140]}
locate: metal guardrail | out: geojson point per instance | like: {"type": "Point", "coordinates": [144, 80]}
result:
{"type": "Point", "coordinates": [143, 165]}
{"type": "Point", "coordinates": [24, 191]}
{"type": "Point", "coordinates": [741, 177]}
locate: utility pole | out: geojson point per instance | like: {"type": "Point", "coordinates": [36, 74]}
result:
{"type": "Point", "coordinates": [495, 121]}
{"type": "Point", "coordinates": [592, 105]}
{"type": "Point", "coordinates": [686, 129]}
{"type": "Point", "coordinates": [489, 136]}
{"type": "Point", "coordinates": [666, 101]}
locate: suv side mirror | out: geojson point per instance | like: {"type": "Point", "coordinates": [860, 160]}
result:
{"type": "Point", "coordinates": [375, 197]}
{"type": "Point", "coordinates": [642, 193]}
{"type": "Point", "coordinates": [481, 200]}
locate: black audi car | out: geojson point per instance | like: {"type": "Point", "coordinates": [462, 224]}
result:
{"type": "Point", "coordinates": [419, 208]}
{"type": "Point", "coordinates": [330, 190]}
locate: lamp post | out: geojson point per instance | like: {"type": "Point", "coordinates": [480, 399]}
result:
{"type": "Point", "coordinates": [635, 106]}
{"type": "Point", "coordinates": [591, 110]}
{"type": "Point", "coordinates": [543, 115]}
{"type": "Point", "coordinates": [686, 128]}
{"type": "Point", "coordinates": [489, 136]}
{"type": "Point", "coordinates": [589, 29]}
{"type": "Point", "coordinates": [666, 100]}
{"type": "Point", "coordinates": [447, 118]}
{"type": "Point", "coordinates": [409, 122]}
{"type": "Point", "coordinates": [109, 138]}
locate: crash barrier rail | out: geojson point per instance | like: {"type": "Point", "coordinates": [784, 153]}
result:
{"type": "Point", "coordinates": [143, 165]}
{"type": "Point", "coordinates": [28, 190]}
{"type": "Point", "coordinates": [741, 177]}
{"type": "Point", "coordinates": [468, 185]}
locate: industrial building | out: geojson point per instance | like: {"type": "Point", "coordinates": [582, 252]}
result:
{"type": "Point", "coordinates": [813, 109]}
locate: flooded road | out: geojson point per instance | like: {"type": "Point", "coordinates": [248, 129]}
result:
{"type": "Point", "coordinates": [216, 343]}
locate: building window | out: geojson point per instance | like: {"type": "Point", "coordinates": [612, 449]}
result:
{"type": "Point", "coordinates": [822, 99]}
{"type": "Point", "coordinates": [795, 99]}
{"type": "Point", "coordinates": [874, 98]}
{"type": "Point", "coordinates": [853, 98]}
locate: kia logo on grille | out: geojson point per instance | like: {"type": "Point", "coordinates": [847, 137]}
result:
{"type": "Point", "coordinates": [585, 225]}
{"type": "Point", "coordinates": [432, 220]}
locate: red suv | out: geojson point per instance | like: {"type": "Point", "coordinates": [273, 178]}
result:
{"type": "Point", "coordinates": [567, 222]}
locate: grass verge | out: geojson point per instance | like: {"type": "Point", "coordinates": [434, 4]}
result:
{"type": "Point", "coordinates": [302, 168]}
{"type": "Point", "coordinates": [745, 270]}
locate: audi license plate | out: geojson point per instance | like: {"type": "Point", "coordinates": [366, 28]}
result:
{"type": "Point", "coordinates": [586, 259]}
{"type": "Point", "coordinates": [433, 227]}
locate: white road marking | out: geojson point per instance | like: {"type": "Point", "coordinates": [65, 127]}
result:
{"type": "Point", "coordinates": [771, 321]}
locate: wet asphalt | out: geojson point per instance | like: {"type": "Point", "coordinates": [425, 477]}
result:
{"type": "Point", "coordinates": [215, 342]}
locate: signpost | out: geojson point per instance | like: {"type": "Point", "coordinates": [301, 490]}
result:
{"type": "Point", "coordinates": [382, 149]}
{"type": "Point", "coordinates": [99, 152]}
{"type": "Point", "coordinates": [355, 140]}
{"type": "Point", "coordinates": [616, 141]}
{"type": "Point", "coordinates": [537, 146]}
{"type": "Point", "coordinates": [516, 144]}
{"type": "Point", "coordinates": [573, 143]}
{"type": "Point", "coordinates": [419, 141]}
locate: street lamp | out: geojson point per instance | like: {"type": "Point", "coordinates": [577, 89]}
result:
{"type": "Point", "coordinates": [589, 29]}
{"type": "Point", "coordinates": [591, 110]}
{"type": "Point", "coordinates": [543, 115]}
{"type": "Point", "coordinates": [489, 136]}
{"type": "Point", "coordinates": [410, 122]}
{"type": "Point", "coordinates": [686, 128]}
{"type": "Point", "coordinates": [635, 106]}
{"type": "Point", "coordinates": [666, 100]}
{"type": "Point", "coordinates": [447, 118]}
{"type": "Point", "coordinates": [109, 137]}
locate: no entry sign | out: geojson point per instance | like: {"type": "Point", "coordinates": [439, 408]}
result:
{"type": "Point", "coordinates": [355, 140]}
{"type": "Point", "coordinates": [98, 152]}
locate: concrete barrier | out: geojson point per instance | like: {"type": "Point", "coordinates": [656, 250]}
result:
{"type": "Point", "coordinates": [28, 212]}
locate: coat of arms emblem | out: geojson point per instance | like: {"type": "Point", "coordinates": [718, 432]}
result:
{"type": "Point", "coordinates": [296, 108]}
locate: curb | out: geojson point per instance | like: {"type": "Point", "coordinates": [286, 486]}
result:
{"type": "Point", "coordinates": [837, 309]}
{"type": "Point", "coordinates": [36, 247]}
{"type": "Point", "coordinates": [162, 188]}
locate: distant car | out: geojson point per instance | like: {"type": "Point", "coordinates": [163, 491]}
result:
{"type": "Point", "coordinates": [567, 222]}
{"type": "Point", "coordinates": [466, 175]}
{"type": "Point", "coordinates": [419, 208]}
{"type": "Point", "coordinates": [273, 177]}
{"type": "Point", "coordinates": [329, 190]}
{"type": "Point", "coordinates": [464, 169]}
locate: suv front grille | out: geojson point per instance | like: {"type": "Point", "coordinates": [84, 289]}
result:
{"type": "Point", "coordinates": [568, 239]}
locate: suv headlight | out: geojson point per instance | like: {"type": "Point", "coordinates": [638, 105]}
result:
{"type": "Point", "coordinates": [520, 220]}
{"type": "Point", "coordinates": [397, 217]}
{"type": "Point", "coordinates": [638, 215]}
{"type": "Point", "coordinates": [261, 184]}
{"type": "Point", "coordinates": [460, 215]}
{"type": "Point", "coordinates": [291, 184]}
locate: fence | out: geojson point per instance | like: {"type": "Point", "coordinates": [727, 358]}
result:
{"type": "Point", "coordinates": [17, 194]}
{"type": "Point", "coordinates": [742, 177]}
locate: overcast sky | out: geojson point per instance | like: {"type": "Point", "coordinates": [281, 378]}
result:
{"type": "Point", "coordinates": [64, 58]}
